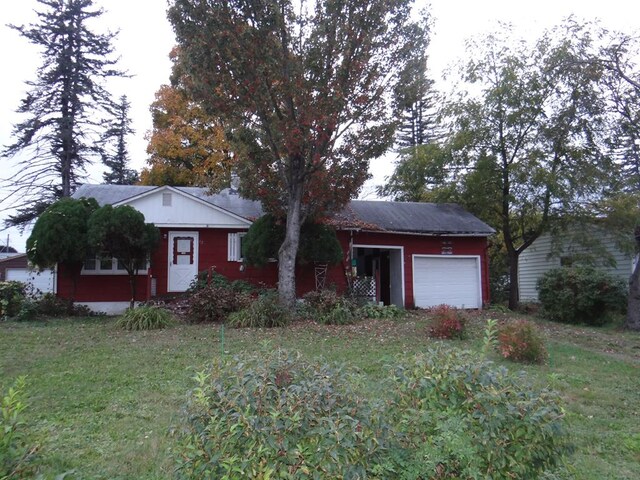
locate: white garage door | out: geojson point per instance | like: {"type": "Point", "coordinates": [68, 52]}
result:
{"type": "Point", "coordinates": [451, 280]}
{"type": "Point", "coordinates": [42, 282]}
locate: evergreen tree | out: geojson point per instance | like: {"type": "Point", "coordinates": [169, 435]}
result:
{"type": "Point", "coordinates": [65, 107]}
{"type": "Point", "coordinates": [417, 104]}
{"type": "Point", "coordinates": [115, 155]}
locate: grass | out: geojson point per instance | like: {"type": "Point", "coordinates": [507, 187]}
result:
{"type": "Point", "coordinates": [102, 401]}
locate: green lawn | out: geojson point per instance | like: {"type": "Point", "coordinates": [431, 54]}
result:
{"type": "Point", "coordinates": [102, 402]}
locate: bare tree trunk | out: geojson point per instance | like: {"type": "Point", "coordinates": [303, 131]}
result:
{"type": "Point", "coordinates": [289, 249]}
{"type": "Point", "coordinates": [132, 284]}
{"type": "Point", "coordinates": [514, 291]}
{"type": "Point", "coordinates": [633, 302]}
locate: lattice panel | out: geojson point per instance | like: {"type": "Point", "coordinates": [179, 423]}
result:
{"type": "Point", "coordinates": [364, 287]}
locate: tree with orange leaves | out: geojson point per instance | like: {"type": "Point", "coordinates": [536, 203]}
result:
{"type": "Point", "coordinates": [187, 147]}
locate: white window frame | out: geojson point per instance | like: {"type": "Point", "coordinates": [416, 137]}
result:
{"type": "Point", "coordinates": [114, 270]}
{"type": "Point", "coordinates": [234, 246]}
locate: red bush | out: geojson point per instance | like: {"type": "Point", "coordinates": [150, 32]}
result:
{"type": "Point", "coordinates": [447, 322]}
{"type": "Point", "coordinates": [520, 341]}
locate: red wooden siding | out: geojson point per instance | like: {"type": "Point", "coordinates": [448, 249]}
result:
{"type": "Point", "coordinates": [213, 253]}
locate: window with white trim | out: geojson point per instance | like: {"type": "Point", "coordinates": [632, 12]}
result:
{"type": "Point", "coordinates": [108, 266]}
{"type": "Point", "coordinates": [235, 247]}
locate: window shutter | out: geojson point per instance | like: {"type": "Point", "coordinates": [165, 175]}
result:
{"type": "Point", "coordinates": [233, 248]}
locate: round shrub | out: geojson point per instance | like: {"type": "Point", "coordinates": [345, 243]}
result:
{"type": "Point", "coordinates": [581, 294]}
{"type": "Point", "coordinates": [329, 308]}
{"type": "Point", "coordinates": [277, 417]}
{"type": "Point", "coordinates": [447, 323]}
{"type": "Point", "coordinates": [460, 417]}
{"type": "Point", "coordinates": [519, 341]}
{"type": "Point", "coordinates": [214, 303]}
{"type": "Point", "coordinates": [263, 312]}
{"type": "Point", "coordinates": [12, 295]}
{"type": "Point", "coordinates": [145, 317]}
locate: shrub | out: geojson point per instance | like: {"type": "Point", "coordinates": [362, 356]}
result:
{"type": "Point", "coordinates": [447, 323]}
{"type": "Point", "coordinates": [208, 277]}
{"type": "Point", "coordinates": [14, 452]}
{"type": "Point", "coordinates": [49, 305]}
{"type": "Point", "coordinates": [581, 294]}
{"type": "Point", "coordinates": [460, 417]}
{"type": "Point", "coordinates": [329, 308]}
{"type": "Point", "coordinates": [214, 302]}
{"type": "Point", "coordinates": [371, 310]}
{"type": "Point", "coordinates": [342, 313]}
{"type": "Point", "coordinates": [264, 312]}
{"type": "Point", "coordinates": [145, 317]}
{"type": "Point", "coordinates": [278, 417]}
{"type": "Point", "coordinates": [12, 294]}
{"type": "Point", "coordinates": [520, 341]}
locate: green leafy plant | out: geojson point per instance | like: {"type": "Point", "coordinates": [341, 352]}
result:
{"type": "Point", "coordinates": [208, 277]}
{"type": "Point", "coordinates": [12, 295]}
{"type": "Point", "coordinates": [278, 416]}
{"type": "Point", "coordinates": [490, 338]}
{"type": "Point", "coordinates": [49, 305]}
{"type": "Point", "coordinates": [581, 294]}
{"type": "Point", "coordinates": [214, 302]}
{"type": "Point", "coordinates": [264, 312]}
{"type": "Point", "coordinates": [372, 310]}
{"type": "Point", "coordinates": [329, 308]}
{"type": "Point", "coordinates": [447, 323]}
{"type": "Point", "coordinates": [14, 452]}
{"type": "Point", "coordinates": [145, 317]}
{"type": "Point", "coordinates": [460, 417]}
{"type": "Point", "coordinates": [520, 341]}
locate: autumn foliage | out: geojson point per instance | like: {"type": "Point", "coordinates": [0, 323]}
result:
{"type": "Point", "coordinates": [187, 147]}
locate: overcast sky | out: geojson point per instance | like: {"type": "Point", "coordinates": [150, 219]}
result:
{"type": "Point", "coordinates": [146, 38]}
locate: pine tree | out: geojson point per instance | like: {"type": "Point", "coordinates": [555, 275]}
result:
{"type": "Point", "coordinates": [417, 104]}
{"type": "Point", "coordinates": [65, 107]}
{"type": "Point", "coordinates": [115, 155]}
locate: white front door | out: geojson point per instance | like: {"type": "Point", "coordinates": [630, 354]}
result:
{"type": "Point", "coordinates": [183, 260]}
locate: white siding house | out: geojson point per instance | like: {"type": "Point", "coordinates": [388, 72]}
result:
{"type": "Point", "coordinates": [541, 257]}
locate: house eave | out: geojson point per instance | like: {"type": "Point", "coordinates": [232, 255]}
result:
{"type": "Point", "coordinates": [422, 234]}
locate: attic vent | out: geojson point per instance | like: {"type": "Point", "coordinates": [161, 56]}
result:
{"type": "Point", "coordinates": [166, 199]}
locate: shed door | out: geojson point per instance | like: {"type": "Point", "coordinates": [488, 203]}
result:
{"type": "Point", "coordinates": [183, 260]}
{"type": "Point", "coordinates": [449, 280]}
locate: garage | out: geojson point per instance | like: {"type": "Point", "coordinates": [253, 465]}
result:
{"type": "Point", "coordinates": [42, 282]}
{"type": "Point", "coordinates": [451, 280]}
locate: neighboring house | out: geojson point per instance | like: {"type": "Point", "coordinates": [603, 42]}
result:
{"type": "Point", "coordinates": [545, 254]}
{"type": "Point", "coordinates": [7, 251]}
{"type": "Point", "coordinates": [407, 254]}
{"type": "Point", "coordinates": [17, 268]}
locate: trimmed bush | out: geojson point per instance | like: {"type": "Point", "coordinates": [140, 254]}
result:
{"type": "Point", "coordinates": [460, 417]}
{"type": "Point", "coordinates": [519, 341]}
{"type": "Point", "coordinates": [145, 317]}
{"type": "Point", "coordinates": [214, 303]}
{"type": "Point", "coordinates": [12, 294]}
{"type": "Point", "coordinates": [278, 417]}
{"type": "Point", "coordinates": [447, 323]}
{"type": "Point", "coordinates": [581, 294]}
{"type": "Point", "coordinates": [263, 312]}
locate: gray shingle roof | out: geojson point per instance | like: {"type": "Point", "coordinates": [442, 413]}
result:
{"type": "Point", "coordinates": [404, 217]}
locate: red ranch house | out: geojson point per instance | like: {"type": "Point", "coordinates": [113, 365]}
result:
{"type": "Point", "coordinates": [407, 254]}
